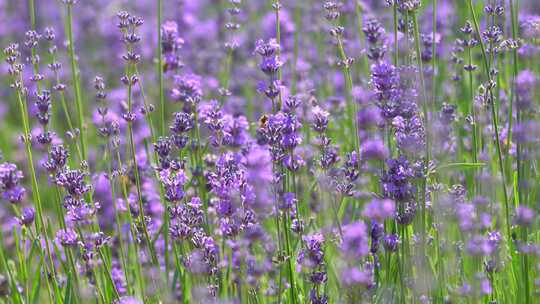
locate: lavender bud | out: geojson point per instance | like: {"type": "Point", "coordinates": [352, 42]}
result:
{"type": "Point", "coordinates": [27, 216]}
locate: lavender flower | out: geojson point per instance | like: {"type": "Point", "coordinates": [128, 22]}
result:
{"type": "Point", "coordinates": [187, 89]}
{"type": "Point", "coordinates": [27, 216]}
{"type": "Point", "coordinates": [10, 177]}
{"type": "Point", "coordinates": [391, 242]}
{"type": "Point", "coordinates": [173, 182]}
{"type": "Point", "coordinates": [320, 119]}
{"type": "Point", "coordinates": [373, 149]}
{"type": "Point", "coordinates": [58, 157]}
{"type": "Point", "coordinates": [524, 216]}
{"type": "Point", "coordinates": [73, 182]}
{"type": "Point", "coordinates": [355, 241]}
{"type": "Point", "coordinates": [209, 205]}
{"type": "Point", "coordinates": [410, 133]}
{"type": "Point", "coordinates": [67, 237]}
{"type": "Point", "coordinates": [397, 180]}
{"type": "Point", "coordinates": [270, 65]}
{"type": "Point", "coordinates": [170, 44]}
{"type": "Point", "coordinates": [379, 210]}
{"type": "Point", "coordinates": [375, 36]}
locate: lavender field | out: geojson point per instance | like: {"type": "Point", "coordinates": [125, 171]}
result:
{"type": "Point", "coordinates": [267, 151]}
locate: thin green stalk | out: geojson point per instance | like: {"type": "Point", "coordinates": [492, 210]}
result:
{"type": "Point", "coordinates": [422, 85]}
{"type": "Point", "coordinates": [336, 216]}
{"type": "Point", "coordinates": [107, 266]}
{"type": "Point", "coordinates": [494, 120]}
{"type": "Point", "coordinates": [131, 70]}
{"type": "Point", "coordinates": [199, 164]}
{"type": "Point", "coordinates": [160, 69]}
{"type": "Point", "coordinates": [424, 186]}
{"type": "Point", "coordinates": [298, 24]}
{"type": "Point", "coordinates": [117, 216]}
{"type": "Point", "coordinates": [64, 103]}
{"type": "Point", "coordinates": [73, 273]}
{"type": "Point", "coordinates": [226, 73]}
{"type": "Point", "coordinates": [396, 44]}
{"type": "Point", "coordinates": [525, 267]}
{"type": "Point", "coordinates": [133, 233]}
{"type": "Point", "coordinates": [360, 21]}
{"type": "Point", "coordinates": [26, 125]}
{"type": "Point", "coordinates": [75, 78]}
{"type": "Point", "coordinates": [138, 186]}
{"type": "Point", "coordinates": [351, 105]}
{"type": "Point", "coordinates": [434, 54]}
{"type": "Point", "coordinates": [40, 223]}
{"type": "Point", "coordinates": [154, 160]}
{"type": "Point", "coordinates": [35, 64]}
{"type": "Point", "coordinates": [472, 110]}
{"type": "Point", "coordinates": [94, 270]}
{"type": "Point", "coordinates": [277, 7]}
{"type": "Point", "coordinates": [32, 9]}
{"type": "Point", "coordinates": [402, 265]}
{"type": "Point", "coordinates": [286, 226]}
{"type": "Point", "coordinates": [515, 68]}
{"type": "Point", "coordinates": [17, 297]}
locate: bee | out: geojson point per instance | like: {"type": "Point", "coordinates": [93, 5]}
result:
{"type": "Point", "coordinates": [263, 120]}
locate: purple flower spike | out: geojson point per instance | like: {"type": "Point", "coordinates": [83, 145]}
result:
{"type": "Point", "coordinates": [67, 237]}
{"type": "Point", "coordinates": [355, 240]}
{"type": "Point", "coordinates": [10, 178]}
{"type": "Point", "coordinates": [379, 209]}
{"type": "Point", "coordinates": [27, 216]}
{"type": "Point", "coordinates": [524, 216]}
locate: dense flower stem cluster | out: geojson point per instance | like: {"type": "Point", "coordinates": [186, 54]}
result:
{"type": "Point", "coordinates": [17, 83]}
{"type": "Point", "coordinates": [494, 117]}
{"type": "Point", "coordinates": [128, 25]}
{"type": "Point", "coordinates": [366, 152]}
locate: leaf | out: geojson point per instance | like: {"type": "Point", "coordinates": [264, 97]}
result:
{"type": "Point", "coordinates": [175, 279]}
{"type": "Point", "coordinates": [37, 283]}
{"type": "Point", "coordinates": [67, 295]}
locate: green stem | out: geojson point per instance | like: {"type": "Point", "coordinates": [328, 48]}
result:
{"type": "Point", "coordinates": [360, 21]}
{"type": "Point", "coordinates": [40, 223]}
{"type": "Point", "coordinates": [396, 43]}
{"type": "Point", "coordinates": [422, 84]}
{"type": "Point", "coordinates": [424, 192]}
{"type": "Point", "coordinates": [132, 70]}
{"type": "Point", "coordinates": [286, 226]}
{"type": "Point", "coordinates": [472, 110]}
{"type": "Point", "coordinates": [132, 230]}
{"type": "Point", "coordinates": [515, 66]}
{"type": "Point", "coordinates": [351, 105]}
{"type": "Point", "coordinates": [277, 8]}
{"type": "Point", "coordinates": [75, 79]}
{"type": "Point", "coordinates": [160, 69]}
{"type": "Point", "coordinates": [64, 103]}
{"type": "Point", "coordinates": [434, 54]}
{"type": "Point", "coordinates": [494, 120]}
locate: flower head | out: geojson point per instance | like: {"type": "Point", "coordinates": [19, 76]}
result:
{"type": "Point", "coordinates": [10, 178]}
{"type": "Point", "coordinates": [355, 240]}
{"type": "Point", "coordinates": [27, 216]}
{"type": "Point", "coordinates": [67, 237]}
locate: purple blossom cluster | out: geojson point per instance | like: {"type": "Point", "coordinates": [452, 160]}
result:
{"type": "Point", "coordinates": [269, 152]}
